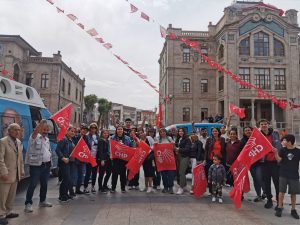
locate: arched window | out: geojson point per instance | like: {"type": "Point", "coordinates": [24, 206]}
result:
{"type": "Point", "coordinates": [244, 47]}
{"type": "Point", "coordinates": [221, 52]}
{"type": "Point", "coordinates": [186, 85]}
{"type": "Point", "coordinates": [261, 44]}
{"type": "Point", "coordinates": [278, 48]}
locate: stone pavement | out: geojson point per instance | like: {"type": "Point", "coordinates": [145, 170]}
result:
{"type": "Point", "coordinates": [140, 208]}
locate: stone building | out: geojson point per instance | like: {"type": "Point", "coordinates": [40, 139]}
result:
{"type": "Point", "coordinates": [253, 40]}
{"type": "Point", "coordinates": [56, 83]}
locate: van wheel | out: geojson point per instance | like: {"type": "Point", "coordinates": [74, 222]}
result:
{"type": "Point", "coordinates": [54, 172]}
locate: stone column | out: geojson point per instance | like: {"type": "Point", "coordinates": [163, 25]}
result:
{"type": "Point", "coordinates": [273, 121]}
{"type": "Point", "coordinates": [253, 122]}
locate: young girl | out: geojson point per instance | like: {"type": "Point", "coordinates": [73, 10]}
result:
{"type": "Point", "coordinates": [217, 178]}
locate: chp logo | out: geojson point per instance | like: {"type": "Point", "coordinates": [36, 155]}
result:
{"type": "Point", "coordinates": [83, 154]}
{"type": "Point", "coordinates": [164, 155]}
{"type": "Point", "coordinates": [120, 152]}
{"type": "Point", "coordinates": [253, 148]}
{"type": "Point", "coordinates": [62, 122]}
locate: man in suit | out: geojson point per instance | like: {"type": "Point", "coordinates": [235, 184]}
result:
{"type": "Point", "coordinates": [11, 171]}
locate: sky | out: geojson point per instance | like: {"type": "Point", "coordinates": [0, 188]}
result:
{"type": "Point", "coordinates": [134, 39]}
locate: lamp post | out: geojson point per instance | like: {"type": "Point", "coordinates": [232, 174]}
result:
{"type": "Point", "coordinates": [293, 101]}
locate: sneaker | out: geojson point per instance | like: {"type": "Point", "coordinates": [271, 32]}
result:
{"type": "Point", "coordinates": [45, 204]}
{"type": "Point", "coordinates": [93, 190]}
{"type": "Point", "coordinates": [294, 214]}
{"type": "Point", "coordinates": [28, 208]}
{"type": "Point", "coordinates": [3, 221]}
{"type": "Point", "coordinates": [149, 189]}
{"type": "Point", "coordinates": [269, 204]}
{"type": "Point", "coordinates": [185, 189]}
{"type": "Point", "coordinates": [106, 188]}
{"type": "Point", "coordinates": [257, 199]}
{"type": "Point", "coordinates": [103, 191]}
{"type": "Point", "coordinates": [180, 191]}
{"type": "Point", "coordinates": [72, 196]}
{"type": "Point", "coordinates": [130, 187]}
{"type": "Point", "coordinates": [143, 189]}
{"type": "Point", "coordinates": [123, 191]}
{"type": "Point", "coordinates": [112, 191]}
{"type": "Point", "coordinates": [158, 188]}
{"type": "Point", "coordinates": [164, 190]}
{"type": "Point", "coordinates": [191, 192]}
{"type": "Point", "coordinates": [63, 200]}
{"type": "Point", "coordinates": [79, 192]}
{"type": "Point", "coordinates": [171, 191]}
{"type": "Point", "coordinates": [276, 207]}
{"type": "Point", "coordinates": [278, 212]}
{"type": "Point", "coordinates": [213, 199]}
{"type": "Point", "coordinates": [220, 200]}
{"type": "Point", "coordinates": [263, 196]}
{"type": "Point", "coordinates": [12, 215]}
{"type": "Point", "coordinates": [86, 191]}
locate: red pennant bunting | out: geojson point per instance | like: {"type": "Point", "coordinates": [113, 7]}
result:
{"type": "Point", "coordinates": [145, 16]}
{"type": "Point", "coordinates": [172, 36]}
{"type": "Point", "coordinates": [107, 45]}
{"type": "Point", "coordinates": [72, 17]}
{"type": "Point", "coordinates": [200, 181]}
{"type": "Point", "coordinates": [100, 40]}
{"type": "Point", "coordinates": [80, 25]}
{"type": "Point", "coordinates": [143, 76]}
{"type": "Point", "coordinates": [122, 60]}
{"type": "Point", "coordinates": [121, 151]}
{"type": "Point", "coordinates": [50, 1]}
{"type": "Point", "coordinates": [133, 9]}
{"type": "Point", "coordinates": [62, 118]}
{"type": "Point", "coordinates": [163, 31]}
{"type": "Point", "coordinates": [60, 10]}
{"type": "Point", "coordinates": [164, 157]}
{"type": "Point", "coordinates": [83, 153]}
{"type": "Point", "coordinates": [133, 70]}
{"type": "Point", "coordinates": [92, 32]}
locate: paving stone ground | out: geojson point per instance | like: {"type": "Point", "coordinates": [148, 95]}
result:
{"type": "Point", "coordinates": [140, 208]}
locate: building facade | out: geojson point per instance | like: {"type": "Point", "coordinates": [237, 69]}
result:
{"type": "Point", "coordinates": [56, 83]}
{"type": "Point", "coordinates": [252, 40]}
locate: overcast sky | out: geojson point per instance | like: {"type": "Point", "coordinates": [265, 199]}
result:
{"type": "Point", "coordinates": [134, 39]}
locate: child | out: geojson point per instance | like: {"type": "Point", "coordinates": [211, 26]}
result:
{"type": "Point", "coordinates": [217, 178]}
{"type": "Point", "coordinates": [289, 157]}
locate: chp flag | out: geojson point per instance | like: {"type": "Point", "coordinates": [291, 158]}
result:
{"type": "Point", "coordinates": [121, 151]}
{"type": "Point", "coordinates": [134, 164]}
{"type": "Point", "coordinates": [83, 153]}
{"type": "Point", "coordinates": [256, 147]}
{"type": "Point", "coordinates": [164, 156]}
{"type": "Point", "coordinates": [200, 181]}
{"type": "Point", "coordinates": [62, 118]}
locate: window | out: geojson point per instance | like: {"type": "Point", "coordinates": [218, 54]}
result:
{"type": "Point", "coordinates": [221, 82]}
{"type": "Point", "coordinates": [204, 85]}
{"type": "Point", "coordinates": [261, 44]}
{"type": "Point", "coordinates": [245, 76]}
{"type": "Point", "coordinates": [262, 78]}
{"type": "Point", "coordinates": [69, 88]}
{"type": "Point", "coordinates": [63, 85]}
{"type": "Point", "coordinates": [186, 85]}
{"type": "Point", "coordinates": [278, 48]}
{"type": "Point", "coordinates": [29, 78]}
{"type": "Point", "coordinates": [80, 96]}
{"type": "Point", "coordinates": [75, 117]}
{"type": "Point", "coordinates": [186, 114]}
{"type": "Point", "coordinates": [76, 94]}
{"type": "Point", "coordinates": [204, 113]}
{"type": "Point", "coordinates": [244, 47]}
{"type": "Point", "coordinates": [79, 117]}
{"type": "Point", "coordinates": [45, 81]}
{"type": "Point", "coordinates": [221, 52]}
{"type": "Point", "coordinates": [204, 52]}
{"type": "Point", "coordinates": [186, 55]}
{"type": "Point", "coordinates": [279, 77]}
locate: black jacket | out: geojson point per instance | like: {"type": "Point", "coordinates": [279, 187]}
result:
{"type": "Point", "coordinates": [184, 146]}
{"type": "Point", "coordinates": [64, 148]}
{"type": "Point", "coordinates": [197, 150]}
{"type": "Point", "coordinates": [103, 152]}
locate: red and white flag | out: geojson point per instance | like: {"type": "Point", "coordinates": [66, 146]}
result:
{"type": "Point", "coordinates": [172, 36]}
{"type": "Point", "coordinates": [92, 32]}
{"type": "Point", "coordinates": [240, 112]}
{"type": "Point", "coordinates": [143, 76]}
{"type": "Point", "coordinates": [121, 151]}
{"type": "Point", "coordinates": [50, 1]}
{"type": "Point", "coordinates": [100, 40]}
{"type": "Point", "coordinates": [138, 159]}
{"type": "Point", "coordinates": [107, 45]}
{"type": "Point", "coordinates": [122, 60]}
{"type": "Point", "coordinates": [83, 153]}
{"type": "Point", "coordinates": [59, 10]}
{"type": "Point", "coordinates": [72, 17]}
{"type": "Point", "coordinates": [4, 72]}
{"type": "Point", "coordinates": [62, 118]}
{"type": "Point", "coordinates": [133, 9]}
{"type": "Point", "coordinates": [81, 25]}
{"type": "Point", "coordinates": [145, 16]}
{"type": "Point", "coordinates": [163, 31]}
{"type": "Point", "coordinates": [164, 157]}
{"type": "Point", "coordinates": [200, 181]}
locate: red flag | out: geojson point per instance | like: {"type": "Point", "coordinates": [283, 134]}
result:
{"type": "Point", "coordinates": [145, 16]}
{"type": "Point", "coordinates": [107, 45]}
{"type": "Point", "coordinates": [236, 193]}
{"type": "Point", "coordinates": [83, 153]}
{"type": "Point", "coordinates": [164, 157]}
{"type": "Point", "coordinates": [172, 36]}
{"type": "Point", "coordinates": [72, 17]}
{"type": "Point", "coordinates": [138, 159]}
{"type": "Point", "coordinates": [159, 116]}
{"type": "Point", "coordinates": [133, 70]}
{"type": "Point", "coordinates": [163, 31]}
{"type": "Point", "coordinates": [121, 151]}
{"type": "Point", "coordinates": [100, 40]}
{"type": "Point", "coordinates": [240, 112]}
{"type": "Point", "coordinates": [92, 32]}
{"type": "Point", "coordinates": [133, 9]}
{"type": "Point", "coordinates": [200, 181]}
{"type": "Point", "coordinates": [122, 60]}
{"type": "Point", "coordinates": [4, 72]}
{"type": "Point", "coordinates": [50, 1]}
{"type": "Point", "coordinates": [81, 25]}
{"type": "Point", "coordinates": [62, 118]}
{"type": "Point", "coordinates": [59, 10]}
{"type": "Point", "coordinates": [143, 76]}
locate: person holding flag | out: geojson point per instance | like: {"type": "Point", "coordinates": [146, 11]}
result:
{"type": "Point", "coordinates": [63, 150]}
{"type": "Point", "coordinates": [119, 168]}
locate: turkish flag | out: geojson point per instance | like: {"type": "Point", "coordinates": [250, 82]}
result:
{"type": "Point", "coordinates": [72, 17]}
{"type": "Point", "coordinates": [107, 45]}
{"type": "Point", "coordinates": [80, 25]}
{"type": "Point", "coordinates": [121, 151]}
{"type": "Point", "coordinates": [133, 9]}
{"type": "Point", "coordinates": [59, 10]}
{"type": "Point", "coordinates": [62, 118]}
{"type": "Point", "coordinates": [122, 60]}
{"type": "Point", "coordinates": [138, 159]}
{"type": "Point", "coordinates": [163, 32]}
{"type": "Point", "coordinates": [83, 153]}
{"type": "Point", "coordinates": [100, 40]}
{"type": "Point", "coordinates": [92, 32]}
{"type": "Point", "coordinates": [51, 1]}
{"type": "Point", "coordinates": [164, 157]}
{"type": "Point", "coordinates": [200, 181]}
{"type": "Point", "coordinates": [240, 112]}
{"type": "Point", "coordinates": [145, 16]}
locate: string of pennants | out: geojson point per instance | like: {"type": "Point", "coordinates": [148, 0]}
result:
{"type": "Point", "coordinates": [192, 44]}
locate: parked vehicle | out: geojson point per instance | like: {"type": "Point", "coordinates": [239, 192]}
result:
{"type": "Point", "coordinates": [22, 104]}
{"type": "Point", "coordinates": [198, 126]}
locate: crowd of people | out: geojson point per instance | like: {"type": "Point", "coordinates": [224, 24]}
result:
{"type": "Point", "coordinates": [217, 152]}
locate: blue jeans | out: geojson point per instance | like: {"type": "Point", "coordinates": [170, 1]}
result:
{"type": "Point", "coordinates": [66, 184]}
{"type": "Point", "coordinates": [168, 178]}
{"type": "Point", "coordinates": [77, 174]}
{"type": "Point", "coordinates": [157, 179]}
{"type": "Point", "coordinates": [90, 171]}
{"type": "Point", "coordinates": [256, 171]}
{"type": "Point", "coordinates": [38, 174]}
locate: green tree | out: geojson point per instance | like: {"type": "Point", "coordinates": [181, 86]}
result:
{"type": "Point", "coordinates": [89, 102]}
{"type": "Point", "coordinates": [103, 108]}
